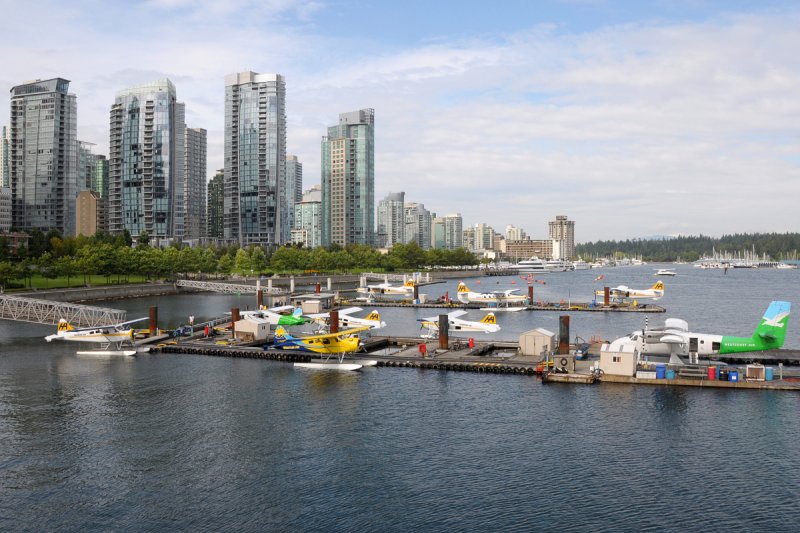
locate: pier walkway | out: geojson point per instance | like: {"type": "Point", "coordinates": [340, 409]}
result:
{"type": "Point", "coordinates": [50, 312]}
{"type": "Point", "coordinates": [226, 288]}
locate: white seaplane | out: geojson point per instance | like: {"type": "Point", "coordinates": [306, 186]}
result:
{"type": "Point", "coordinates": [618, 293]}
{"type": "Point", "coordinates": [506, 297]}
{"type": "Point", "coordinates": [347, 320]}
{"type": "Point", "coordinates": [278, 316]}
{"type": "Point", "coordinates": [488, 324]}
{"type": "Point", "coordinates": [119, 336]}
{"type": "Point", "coordinates": [406, 289]}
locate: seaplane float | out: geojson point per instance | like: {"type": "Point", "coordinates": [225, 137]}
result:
{"type": "Point", "coordinates": [332, 347]}
{"type": "Point", "coordinates": [114, 339]}
{"type": "Point", "coordinates": [488, 324]}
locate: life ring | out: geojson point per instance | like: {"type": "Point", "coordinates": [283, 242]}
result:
{"type": "Point", "coordinates": [563, 362]}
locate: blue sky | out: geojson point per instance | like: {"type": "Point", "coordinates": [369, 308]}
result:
{"type": "Point", "coordinates": [632, 118]}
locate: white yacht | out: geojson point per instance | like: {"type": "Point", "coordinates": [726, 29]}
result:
{"type": "Point", "coordinates": [534, 265]}
{"type": "Point", "coordinates": [580, 264]}
{"type": "Point", "coordinates": [558, 265]}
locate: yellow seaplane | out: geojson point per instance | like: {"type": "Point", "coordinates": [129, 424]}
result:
{"type": "Point", "coordinates": [331, 346]}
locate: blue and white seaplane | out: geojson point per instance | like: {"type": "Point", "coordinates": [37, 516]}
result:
{"type": "Point", "coordinates": [119, 336]}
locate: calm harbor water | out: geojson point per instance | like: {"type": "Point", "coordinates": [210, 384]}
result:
{"type": "Point", "coordinates": [200, 443]}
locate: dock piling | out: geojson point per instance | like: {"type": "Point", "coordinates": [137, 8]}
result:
{"type": "Point", "coordinates": [334, 321]}
{"type": "Point", "coordinates": [153, 321]}
{"type": "Point", "coordinates": [563, 335]}
{"type": "Point", "coordinates": [234, 320]}
{"type": "Point", "coordinates": [530, 294]}
{"type": "Point", "coordinates": [444, 330]}
{"type": "Point", "coordinates": [260, 298]}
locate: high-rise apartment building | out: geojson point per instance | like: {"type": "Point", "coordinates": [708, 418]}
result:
{"type": "Point", "coordinates": [5, 173]}
{"type": "Point", "coordinates": [256, 201]}
{"type": "Point", "coordinates": [5, 209]}
{"type": "Point", "coordinates": [484, 237]}
{"type": "Point", "coordinates": [418, 225]}
{"type": "Point", "coordinates": [146, 162]}
{"type": "Point", "coordinates": [391, 220]}
{"type": "Point", "coordinates": [515, 234]}
{"type": "Point", "coordinates": [194, 189]}
{"type": "Point", "coordinates": [216, 206]}
{"type": "Point", "coordinates": [348, 180]}
{"type": "Point", "coordinates": [447, 232]}
{"type": "Point", "coordinates": [563, 230]}
{"type": "Point", "coordinates": [307, 219]}
{"type": "Point", "coordinates": [90, 213]}
{"type": "Point", "coordinates": [42, 156]}
{"type": "Point", "coordinates": [294, 176]}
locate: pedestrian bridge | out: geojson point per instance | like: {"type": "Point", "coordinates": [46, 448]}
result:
{"type": "Point", "coordinates": [226, 288]}
{"type": "Point", "coordinates": [50, 312]}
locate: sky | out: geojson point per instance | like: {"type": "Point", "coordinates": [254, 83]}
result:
{"type": "Point", "coordinates": [634, 119]}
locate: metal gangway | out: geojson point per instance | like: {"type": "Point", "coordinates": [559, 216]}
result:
{"type": "Point", "coordinates": [227, 288]}
{"type": "Point", "coordinates": [24, 309]}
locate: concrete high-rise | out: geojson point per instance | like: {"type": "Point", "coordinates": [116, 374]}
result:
{"type": "Point", "coordinates": [42, 155]}
{"type": "Point", "coordinates": [563, 230]}
{"type": "Point", "coordinates": [5, 173]}
{"type": "Point", "coordinates": [418, 225]}
{"type": "Point", "coordinates": [256, 194]}
{"type": "Point", "coordinates": [216, 206]}
{"type": "Point", "coordinates": [194, 189]}
{"type": "Point", "coordinates": [5, 209]}
{"type": "Point", "coordinates": [146, 162]}
{"type": "Point", "coordinates": [391, 220]}
{"type": "Point", "coordinates": [307, 219]}
{"type": "Point", "coordinates": [348, 180]}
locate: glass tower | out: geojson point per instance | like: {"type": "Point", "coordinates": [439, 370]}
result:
{"type": "Point", "coordinates": [42, 158]}
{"type": "Point", "coordinates": [146, 162]}
{"type": "Point", "coordinates": [256, 193]}
{"type": "Point", "coordinates": [194, 192]}
{"type": "Point", "coordinates": [391, 220]}
{"type": "Point", "coordinates": [348, 180]}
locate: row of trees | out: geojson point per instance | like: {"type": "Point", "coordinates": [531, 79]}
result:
{"type": "Point", "coordinates": [690, 248]}
{"type": "Point", "coordinates": [114, 257]}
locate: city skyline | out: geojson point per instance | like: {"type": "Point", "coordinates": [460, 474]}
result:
{"type": "Point", "coordinates": [611, 112]}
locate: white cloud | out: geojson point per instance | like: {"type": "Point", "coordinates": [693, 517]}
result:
{"type": "Point", "coordinates": [630, 130]}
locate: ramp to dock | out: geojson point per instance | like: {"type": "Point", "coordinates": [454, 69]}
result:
{"type": "Point", "coordinates": [226, 288]}
{"type": "Point", "coordinates": [50, 312]}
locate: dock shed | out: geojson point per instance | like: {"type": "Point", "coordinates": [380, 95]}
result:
{"type": "Point", "coordinates": [315, 302]}
{"type": "Point", "coordinates": [537, 342]}
{"type": "Point", "coordinates": [618, 363]}
{"type": "Point", "coordinates": [252, 328]}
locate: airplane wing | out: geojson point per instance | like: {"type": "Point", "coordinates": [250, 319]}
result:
{"type": "Point", "coordinates": [349, 311]}
{"type": "Point", "coordinates": [319, 316]}
{"type": "Point", "coordinates": [454, 314]}
{"type": "Point", "coordinates": [281, 308]}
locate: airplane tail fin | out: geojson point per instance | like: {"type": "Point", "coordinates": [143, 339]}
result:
{"type": "Point", "coordinates": [374, 315]}
{"type": "Point", "coordinates": [772, 329]}
{"type": "Point", "coordinates": [462, 287]}
{"type": "Point", "coordinates": [659, 285]}
{"type": "Point", "coordinates": [63, 325]}
{"type": "Point", "coordinates": [409, 283]}
{"type": "Point", "coordinates": [297, 313]}
{"type": "Point", "coordinates": [281, 334]}
{"type": "Point", "coordinates": [489, 319]}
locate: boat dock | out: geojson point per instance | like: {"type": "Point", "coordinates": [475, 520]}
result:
{"type": "Point", "coordinates": [483, 357]}
{"type": "Point", "coordinates": [537, 306]}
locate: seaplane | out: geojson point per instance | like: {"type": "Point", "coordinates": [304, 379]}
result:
{"type": "Point", "coordinates": [278, 316]}
{"type": "Point", "coordinates": [676, 341]}
{"type": "Point", "coordinates": [618, 293]}
{"type": "Point", "coordinates": [488, 324]}
{"type": "Point", "coordinates": [347, 320]}
{"type": "Point", "coordinates": [406, 289]}
{"type": "Point", "coordinates": [331, 346]}
{"type": "Point", "coordinates": [119, 336]}
{"type": "Point", "coordinates": [505, 297]}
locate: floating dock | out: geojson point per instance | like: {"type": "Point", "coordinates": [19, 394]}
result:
{"type": "Point", "coordinates": [537, 306]}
